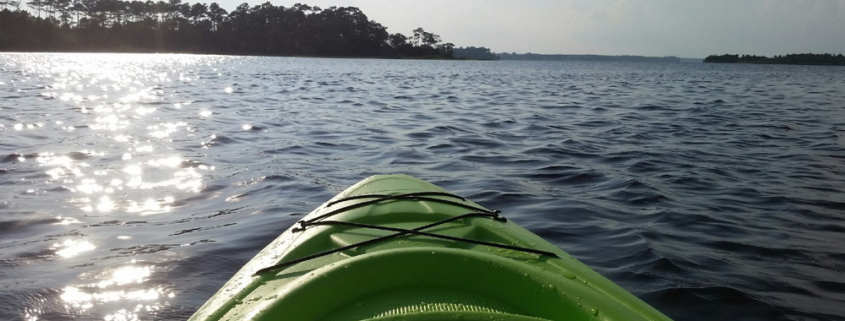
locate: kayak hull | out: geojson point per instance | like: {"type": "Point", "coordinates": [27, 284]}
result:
{"type": "Point", "coordinates": [416, 277]}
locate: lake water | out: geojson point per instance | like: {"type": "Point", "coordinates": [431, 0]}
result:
{"type": "Point", "coordinates": [133, 186]}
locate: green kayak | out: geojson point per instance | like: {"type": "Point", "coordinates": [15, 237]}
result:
{"type": "Point", "coordinates": [393, 247]}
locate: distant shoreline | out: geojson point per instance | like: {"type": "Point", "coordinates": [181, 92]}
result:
{"type": "Point", "coordinates": [243, 55]}
{"type": "Point", "coordinates": [483, 53]}
{"type": "Point", "coordinates": [606, 58]}
{"type": "Point", "coordinates": [790, 59]}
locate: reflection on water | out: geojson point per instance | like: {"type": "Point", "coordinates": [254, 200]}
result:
{"type": "Point", "coordinates": [117, 94]}
{"type": "Point", "coordinates": [123, 286]}
{"type": "Point", "coordinates": [111, 160]}
{"type": "Point", "coordinates": [71, 248]}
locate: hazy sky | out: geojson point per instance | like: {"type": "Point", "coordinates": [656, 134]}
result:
{"type": "Point", "coordinates": [684, 28]}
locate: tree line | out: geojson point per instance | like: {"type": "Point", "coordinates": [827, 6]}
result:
{"type": "Point", "coordinates": [173, 26]}
{"type": "Point", "coordinates": [790, 59]}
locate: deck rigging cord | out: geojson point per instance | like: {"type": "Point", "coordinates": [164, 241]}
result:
{"type": "Point", "coordinates": [422, 196]}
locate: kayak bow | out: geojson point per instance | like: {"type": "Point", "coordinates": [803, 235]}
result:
{"type": "Point", "coordinates": [393, 247]}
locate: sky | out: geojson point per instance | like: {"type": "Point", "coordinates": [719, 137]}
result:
{"type": "Point", "coordinates": [683, 28]}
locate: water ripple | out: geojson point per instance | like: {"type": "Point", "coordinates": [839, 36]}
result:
{"type": "Point", "coordinates": [140, 183]}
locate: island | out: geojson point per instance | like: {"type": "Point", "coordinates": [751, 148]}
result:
{"type": "Point", "coordinates": [175, 27]}
{"type": "Point", "coordinates": [790, 59]}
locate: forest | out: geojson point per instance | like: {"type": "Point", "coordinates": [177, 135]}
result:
{"type": "Point", "coordinates": [790, 59]}
{"type": "Point", "coordinates": [173, 26]}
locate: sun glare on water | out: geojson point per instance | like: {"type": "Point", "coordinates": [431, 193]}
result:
{"type": "Point", "coordinates": [117, 96]}
{"type": "Point", "coordinates": [118, 164]}
{"type": "Point", "coordinates": [124, 285]}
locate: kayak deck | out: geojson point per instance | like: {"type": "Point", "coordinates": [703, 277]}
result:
{"type": "Point", "coordinates": [355, 272]}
